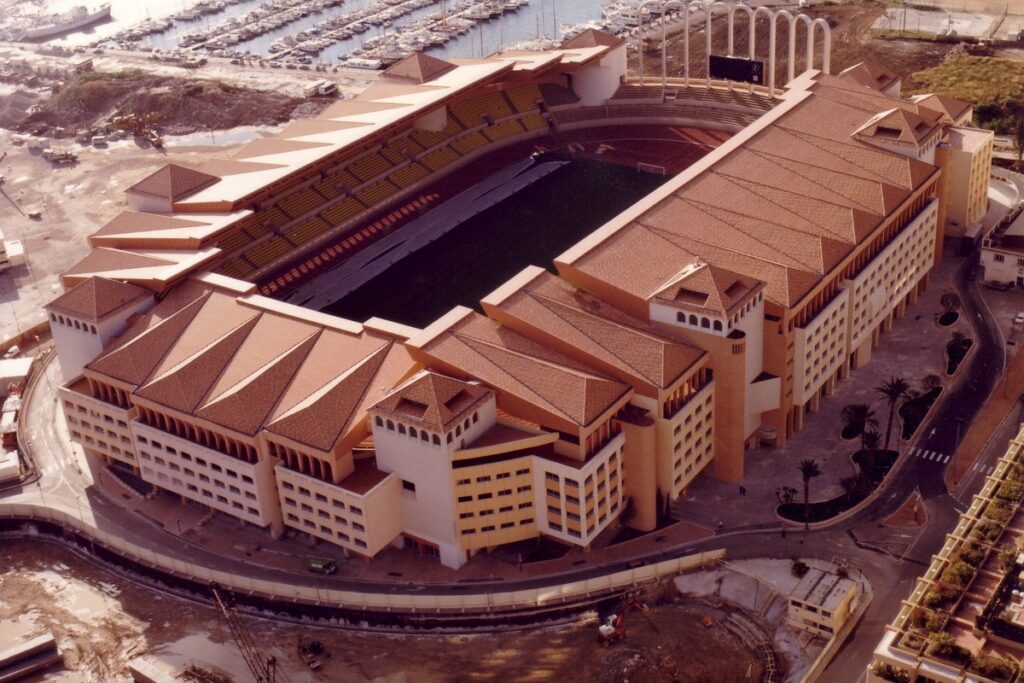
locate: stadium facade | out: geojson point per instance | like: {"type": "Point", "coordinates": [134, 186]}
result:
{"type": "Point", "coordinates": [706, 319]}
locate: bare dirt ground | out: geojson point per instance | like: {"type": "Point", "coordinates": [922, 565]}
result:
{"type": "Point", "coordinates": [220, 95]}
{"type": "Point", "coordinates": [101, 622]}
{"type": "Point", "coordinates": [851, 43]}
{"type": "Point", "coordinates": [73, 201]}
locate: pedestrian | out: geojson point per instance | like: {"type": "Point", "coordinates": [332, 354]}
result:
{"type": "Point", "coordinates": [743, 490]}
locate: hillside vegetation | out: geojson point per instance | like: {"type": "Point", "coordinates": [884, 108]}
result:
{"type": "Point", "coordinates": [995, 87]}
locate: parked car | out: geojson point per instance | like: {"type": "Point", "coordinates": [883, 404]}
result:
{"type": "Point", "coordinates": [998, 286]}
{"type": "Point", "coordinates": [1019, 320]}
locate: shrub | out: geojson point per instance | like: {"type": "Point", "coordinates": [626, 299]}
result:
{"type": "Point", "coordinates": [998, 511]}
{"type": "Point", "coordinates": [940, 597]}
{"type": "Point", "coordinates": [958, 573]}
{"type": "Point", "coordinates": [971, 553]}
{"type": "Point", "coordinates": [1010, 490]}
{"type": "Point", "coordinates": [987, 529]}
{"type": "Point", "coordinates": [888, 672]}
{"type": "Point", "coordinates": [992, 666]}
{"type": "Point", "coordinates": [935, 622]}
{"type": "Point", "coordinates": [944, 645]}
{"type": "Point", "coordinates": [799, 569]}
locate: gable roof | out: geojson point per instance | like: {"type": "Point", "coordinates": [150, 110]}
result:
{"type": "Point", "coordinates": [419, 68]}
{"type": "Point", "coordinates": [869, 75]}
{"type": "Point", "coordinates": [708, 287]}
{"type": "Point", "coordinates": [522, 371]}
{"type": "Point", "coordinates": [434, 399]}
{"type": "Point", "coordinates": [97, 298]}
{"type": "Point", "coordinates": [951, 108]}
{"type": "Point", "coordinates": [173, 183]}
{"type": "Point", "coordinates": [591, 38]}
{"type": "Point", "coordinates": [550, 310]}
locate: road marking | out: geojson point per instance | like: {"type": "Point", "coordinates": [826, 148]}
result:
{"type": "Point", "coordinates": [946, 459]}
{"type": "Point", "coordinates": [990, 471]}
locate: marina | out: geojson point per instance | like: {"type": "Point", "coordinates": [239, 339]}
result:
{"type": "Point", "coordinates": [367, 34]}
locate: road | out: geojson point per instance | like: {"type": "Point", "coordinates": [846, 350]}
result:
{"type": "Point", "coordinates": [65, 482]}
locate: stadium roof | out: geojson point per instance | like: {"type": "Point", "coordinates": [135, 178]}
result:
{"type": "Point", "coordinates": [97, 298]}
{"type": "Point", "coordinates": [532, 379]}
{"type": "Point", "coordinates": [783, 201]}
{"type": "Point", "coordinates": [547, 308]}
{"type": "Point", "coordinates": [173, 183]}
{"type": "Point", "coordinates": [246, 364]}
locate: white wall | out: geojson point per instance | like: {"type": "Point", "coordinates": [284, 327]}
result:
{"type": "Point", "coordinates": [429, 512]}
{"type": "Point", "coordinates": [77, 347]}
{"type": "Point", "coordinates": [599, 81]}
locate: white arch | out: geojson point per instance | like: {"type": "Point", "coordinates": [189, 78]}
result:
{"type": "Point", "coordinates": [664, 7]}
{"type": "Point", "coordinates": [772, 16]}
{"type": "Point", "coordinates": [732, 29]}
{"type": "Point", "coordinates": [709, 11]}
{"type": "Point", "coordinates": [826, 43]}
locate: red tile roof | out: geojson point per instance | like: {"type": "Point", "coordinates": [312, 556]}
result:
{"type": "Point", "coordinates": [173, 182]}
{"type": "Point", "coordinates": [97, 298]}
{"type": "Point", "coordinates": [434, 399]}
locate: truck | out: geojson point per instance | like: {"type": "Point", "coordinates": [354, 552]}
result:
{"type": "Point", "coordinates": [322, 89]}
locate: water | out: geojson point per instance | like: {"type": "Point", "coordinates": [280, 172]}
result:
{"type": "Point", "coordinates": [530, 228]}
{"type": "Point", "coordinates": [539, 17]}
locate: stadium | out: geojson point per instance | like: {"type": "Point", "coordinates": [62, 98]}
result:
{"type": "Point", "coordinates": [712, 257]}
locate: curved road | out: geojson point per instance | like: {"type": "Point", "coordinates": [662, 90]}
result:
{"type": "Point", "coordinates": [64, 482]}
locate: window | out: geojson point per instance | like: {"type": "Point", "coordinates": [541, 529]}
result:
{"type": "Point", "coordinates": [462, 482]}
{"type": "Point", "coordinates": [484, 478]}
{"type": "Point", "coordinates": [524, 489]}
{"type": "Point", "coordinates": [354, 510]}
{"type": "Point", "coordinates": [487, 528]}
{"type": "Point", "coordinates": [519, 473]}
{"type": "Point", "coordinates": [484, 496]}
{"type": "Point", "coordinates": [465, 499]}
{"type": "Point", "coordinates": [465, 515]}
{"type": "Point", "coordinates": [503, 475]}
{"type": "Point", "coordinates": [523, 506]}
{"type": "Point", "coordinates": [551, 476]}
{"type": "Point", "coordinates": [304, 492]}
{"type": "Point", "coordinates": [998, 258]}
{"type": "Point", "coordinates": [408, 486]}
{"type": "Point", "coordinates": [321, 498]}
{"type": "Point", "coordinates": [287, 486]}
{"type": "Point", "coordinates": [338, 504]}
{"type": "Point", "coordinates": [506, 508]}
{"type": "Point", "coordinates": [525, 521]}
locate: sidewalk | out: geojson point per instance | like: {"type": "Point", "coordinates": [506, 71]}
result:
{"type": "Point", "coordinates": [986, 424]}
{"type": "Point", "coordinates": [914, 348]}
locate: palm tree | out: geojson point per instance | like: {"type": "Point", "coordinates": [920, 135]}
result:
{"type": "Point", "coordinates": [857, 417]}
{"type": "Point", "coordinates": [869, 440]}
{"type": "Point", "coordinates": [893, 390]}
{"type": "Point", "coordinates": [808, 470]}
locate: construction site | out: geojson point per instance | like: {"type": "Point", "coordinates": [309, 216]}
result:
{"type": "Point", "coordinates": [105, 627]}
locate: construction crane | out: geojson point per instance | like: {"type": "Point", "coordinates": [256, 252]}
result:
{"type": "Point", "coordinates": [263, 668]}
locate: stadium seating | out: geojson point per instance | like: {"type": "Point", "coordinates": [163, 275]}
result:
{"type": "Point", "coordinates": [341, 212]}
{"type": "Point", "coordinates": [638, 92]}
{"type": "Point", "coordinates": [236, 268]}
{"type": "Point", "coordinates": [503, 130]}
{"type": "Point", "coordinates": [235, 241]}
{"type": "Point", "coordinates": [408, 175]}
{"type": "Point", "coordinates": [524, 98]}
{"type": "Point", "coordinates": [427, 139]}
{"type": "Point", "coordinates": [396, 150]}
{"type": "Point", "coordinates": [369, 166]}
{"type": "Point", "coordinates": [471, 112]}
{"type": "Point", "coordinates": [376, 193]}
{"type": "Point", "coordinates": [274, 216]}
{"type": "Point", "coordinates": [439, 158]}
{"type": "Point", "coordinates": [534, 122]}
{"type": "Point", "coordinates": [307, 230]}
{"type": "Point", "coordinates": [557, 95]}
{"type": "Point", "coordinates": [265, 252]}
{"type": "Point", "coordinates": [470, 143]}
{"type": "Point", "coordinates": [301, 203]}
